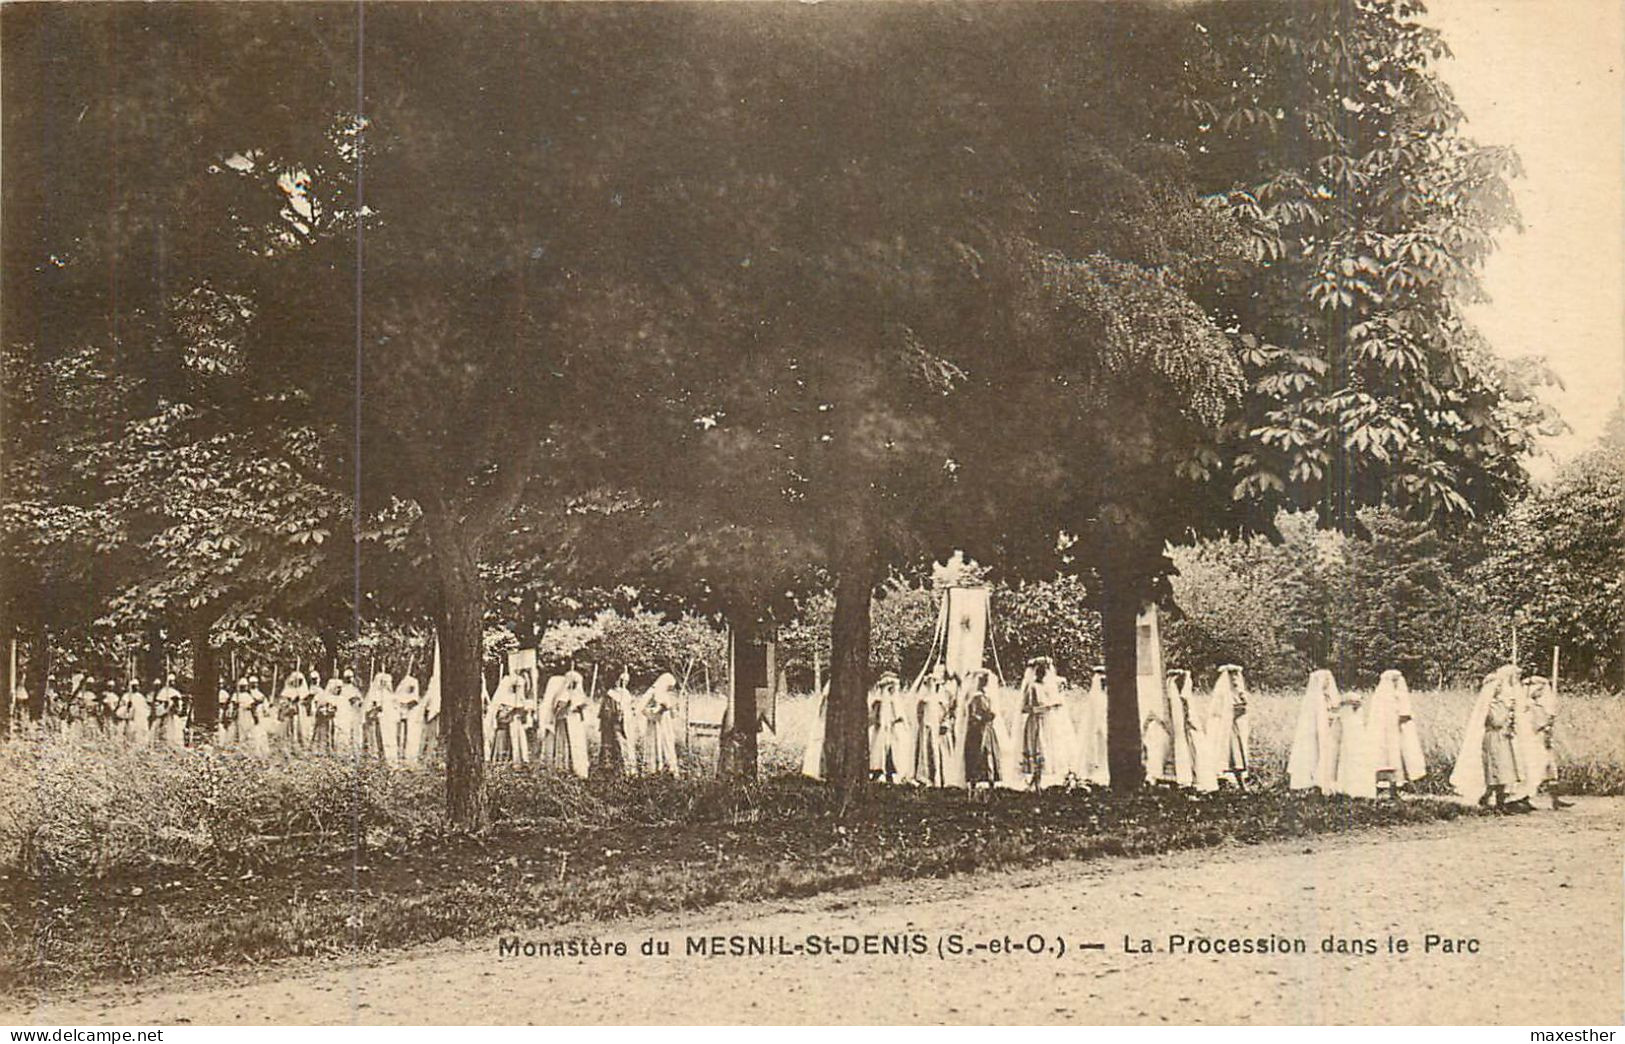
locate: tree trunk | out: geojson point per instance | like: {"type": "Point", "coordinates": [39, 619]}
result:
{"type": "Point", "coordinates": [846, 727]}
{"type": "Point", "coordinates": [205, 681]}
{"type": "Point", "coordinates": [1119, 610]}
{"type": "Point", "coordinates": [155, 661]}
{"type": "Point", "coordinates": [330, 646]}
{"type": "Point", "coordinates": [737, 755]}
{"type": "Point", "coordinates": [8, 681]}
{"type": "Point", "coordinates": [38, 674]}
{"type": "Point", "coordinates": [460, 626]}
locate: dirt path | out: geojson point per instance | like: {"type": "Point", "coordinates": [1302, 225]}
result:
{"type": "Point", "coordinates": [1540, 893]}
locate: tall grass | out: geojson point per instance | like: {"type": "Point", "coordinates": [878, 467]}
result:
{"type": "Point", "coordinates": [86, 806]}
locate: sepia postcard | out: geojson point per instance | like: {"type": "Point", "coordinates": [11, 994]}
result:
{"type": "Point", "coordinates": [872, 512]}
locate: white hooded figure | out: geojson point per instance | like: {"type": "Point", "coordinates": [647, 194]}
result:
{"type": "Point", "coordinates": [378, 718]}
{"type": "Point", "coordinates": [1534, 721]}
{"type": "Point", "coordinates": [134, 714]}
{"type": "Point", "coordinates": [659, 707]}
{"type": "Point", "coordinates": [1487, 764]}
{"type": "Point", "coordinates": [289, 725]}
{"type": "Point", "coordinates": [812, 759]}
{"type": "Point", "coordinates": [431, 711]}
{"type": "Point", "coordinates": [1095, 763]}
{"type": "Point", "coordinates": [891, 732]}
{"type": "Point", "coordinates": [1193, 762]}
{"type": "Point", "coordinates": [1050, 746]}
{"type": "Point", "coordinates": [633, 724]}
{"type": "Point", "coordinates": [324, 728]}
{"type": "Point", "coordinates": [1225, 726]}
{"type": "Point", "coordinates": [564, 710]}
{"type": "Point", "coordinates": [489, 715]}
{"type": "Point", "coordinates": [408, 735]}
{"type": "Point", "coordinates": [1156, 738]}
{"type": "Point", "coordinates": [1396, 746]}
{"type": "Point", "coordinates": [927, 708]}
{"type": "Point", "coordinates": [1009, 722]}
{"type": "Point", "coordinates": [174, 723]}
{"type": "Point", "coordinates": [1312, 759]}
{"type": "Point", "coordinates": [245, 721]}
{"type": "Point", "coordinates": [1331, 748]}
{"type": "Point", "coordinates": [506, 720]}
{"type": "Point", "coordinates": [348, 726]}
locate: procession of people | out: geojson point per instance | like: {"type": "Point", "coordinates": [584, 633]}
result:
{"type": "Point", "coordinates": [393, 722]}
{"type": "Point", "coordinates": [947, 730]}
{"type": "Point", "coordinates": [973, 732]}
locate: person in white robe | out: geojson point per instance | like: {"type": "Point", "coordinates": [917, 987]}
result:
{"type": "Point", "coordinates": [1534, 723]}
{"type": "Point", "coordinates": [173, 727]}
{"type": "Point", "coordinates": [135, 714]}
{"type": "Point", "coordinates": [633, 724]}
{"type": "Point", "coordinates": [660, 709]}
{"type": "Point", "coordinates": [488, 715]}
{"type": "Point", "coordinates": [1396, 746]}
{"type": "Point", "coordinates": [307, 707]}
{"type": "Point", "coordinates": [324, 733]}
{"type": "Point", "coordinates": [225, 722]}
{"type": "Point", "coordinates": [1010, 721]}
{"type": "Point", "coordinates": [1094, 759]}
{"type": "Point", "coordinates": [159, 708]}
{"type": "Point", "coordinates": [1331, 748]}
{"type": "Point", "coordinates": [352, 715]}
{"type": "Point", "coordinates": [931, 748]}
{"type": "Point", "coordinates": [409, 720]}
{"type": "Point", "coordinates": [264, 716]}
{"type": "Point", "coordinates": [812, 758]}
{"type": "Point", "coordinates": [290, 727]}
{"type": "Point", "coordinates": [565, 709]}
{"type": "Point", "coordinates": [1051, 742]}
{"type": "Point", "coordinates": [245, 716]}
{"type": "Point", "coordinates": [956, 694]}
{"type": "Point", "coordinates": [1193, 764]}
{"type": "Point", "coordinates": [1156, 740]}
{"type": "Point", "coordinates": [431, 712]}
{"type": "Point", "coordinates": [891, 732]}
{"type": "Point", "coordinates": [507, 711]}
{"type": "Point", "coordinates": [377, 718]}
{"type": "Point", "coordinates": [1226, 727]}
{"type": "Point", "coordinates": [1487, 764]}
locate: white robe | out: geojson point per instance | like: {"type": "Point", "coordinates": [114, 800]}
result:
{"type": "Point", "coordinates": [1396, 745]}
{"type": "Point", "coordinates": [812, 758]}
{"type": "Point", "coordinates": [931, 748]}
{"type": "Point", "coordinates": [379, 718]}
{"type": "Point", "coordinates": [1331, 747]}
{"type": "Point", "coordinates": [1193, 761]}
{"type": "Point", "coordinates": [1533, 720]}
{"type": "Point", "coordinates": [1095, 761]}
{"type": "Point", "coordinates": [136, 712]}
{"type": "Point", "coordinates": [660, 709]}
{"type": "Point", "coordinates": [564, 706]}
{"type": "Point", "coordinates": [1156, 738]}
{"type": "Point", "coordinates": [1225, 725]}
{"type": "Point", "coordinates": [174, 723]}
{"type": "Point", "coordinates": [1049, 732]}
{"type": "Point", "coordinates": [1467, 775]}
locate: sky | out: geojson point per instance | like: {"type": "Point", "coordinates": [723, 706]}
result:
{"type": "Point", "coordinates": [1545, 76]}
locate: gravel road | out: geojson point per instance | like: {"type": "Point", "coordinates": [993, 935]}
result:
{"type": "Point", "coordinates": [1539, 896]}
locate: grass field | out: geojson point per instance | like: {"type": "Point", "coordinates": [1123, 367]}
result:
{"type": "Point", "coordinates": [122, 863]}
